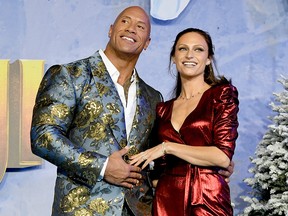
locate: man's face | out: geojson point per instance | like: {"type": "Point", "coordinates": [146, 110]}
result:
{"type": "Point", "coordinates": [130, 32]}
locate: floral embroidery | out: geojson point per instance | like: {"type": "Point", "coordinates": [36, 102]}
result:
{"type": "Point", "coordinates": [97, 131]}
{"type": "Point", "coordinates": [83, 212]}
{"type": "Point", "coordinates": [99, 205]}
{"type": "Point", "coordinates": [107, 119]}
{"type": "Point", "coordinates": [92, 110]}
{"type": "Point", "coordinates": [45, 140]}
{"type": "Point", "coordinates": [100, 70]}
{"type": "Point", "coordinates": [102, 89]}
{"type": "Point", "coordinates": [114, 108]}
{"type": "Point", "coordinates": [86, 89]}
{"type": "Point", "coordinates": [85, 159]}
{"type": "Point", "coordinates": [45, 118]}
{"type": "Point", "coordinates": [60, 111]}
{"type": "Point", "coordinates": [74, 70]}
{"type": "Point", "coordinates": [76, 197]}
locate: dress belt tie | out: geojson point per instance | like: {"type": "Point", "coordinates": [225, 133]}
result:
{"type": "Point", "coordinates": [195, 196]}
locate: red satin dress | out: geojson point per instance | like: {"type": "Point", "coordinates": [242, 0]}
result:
{"type": "Point", "coordinates": [184, 189]}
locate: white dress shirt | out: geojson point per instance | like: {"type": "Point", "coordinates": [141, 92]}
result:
{"type": "Point", "coordinates": [129, 106]}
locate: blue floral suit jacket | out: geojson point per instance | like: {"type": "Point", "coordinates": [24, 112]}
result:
{"type": "Point", "coordinates": [78, 121]}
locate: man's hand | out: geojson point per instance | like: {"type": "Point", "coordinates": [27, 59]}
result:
{"type": "Point", "coordinates": [120, 173]}
{"type": "Point", "coordinates": [228, 172]}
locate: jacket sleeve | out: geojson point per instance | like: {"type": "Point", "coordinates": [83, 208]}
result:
{"type": "Point", "coordinates": [53, 115]}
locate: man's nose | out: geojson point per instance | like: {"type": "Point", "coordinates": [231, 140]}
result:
{"type": "Point", "coordinates": [131, 28]}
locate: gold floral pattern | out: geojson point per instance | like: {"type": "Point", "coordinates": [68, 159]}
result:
{"type": "Point", "coordinates": [99, 205]}
{"type": "Point", "coordinates": [46, 118]}
{"type": "Point", "coordinates": [86, 89]}
{"type": "Point", "coordinates": [107, 119]}
{"type": "Point", "coordinates": [59, 110]}
{"type": "Point", "coordinates": [90, 176]}
{"type": "Point", "coordinates": [97, 131]}
{"type": "Point", "coordinates": [102, 89]}
{"type": "Point", "coordinates": [85, 159]}
{"type": "Point", "coordinates": [113, 107]}
{"type": "Point", "coordinates": [56, 69]}
{"type": "Point", "coordinates": [77, 112]}
{"type": "Point", "coordinates": [83, 212]}
{"type": "Point", "coordinates": [132, 150]}
{"type": "Point", "coordinates": [100, 70]}
{"type": "Point", "coordinates": [76, 197]}
{"type": "Point", "coordinates": [45, 140]}
{"type": "Point", "coordinates": [74, 70]}
{"type": "Point", "coordinates": [92, 110]}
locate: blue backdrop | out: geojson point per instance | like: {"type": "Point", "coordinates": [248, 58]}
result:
{"type": "Point", "coordinates": [251, 42]}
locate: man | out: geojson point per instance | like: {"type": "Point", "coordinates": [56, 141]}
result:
{"type": "Point", "coordinates": [86, 113]}
{"type": "Point", "coordinates": [91, 113]}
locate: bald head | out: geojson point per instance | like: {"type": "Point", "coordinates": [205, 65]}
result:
{"type": "Point", "coordinates": [137, 12]}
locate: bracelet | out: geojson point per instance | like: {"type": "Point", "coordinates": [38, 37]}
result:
{"type": "Point", "coordinates": [163, 148]}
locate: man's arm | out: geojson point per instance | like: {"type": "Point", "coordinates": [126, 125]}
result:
{"type": "Point", "coordinates": [53, 115]}
{"type": "Point", "coordinates": [228, 172]}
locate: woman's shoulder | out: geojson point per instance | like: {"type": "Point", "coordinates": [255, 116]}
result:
{"type": "Point", "coordinates": [224, 92]}
{"type": "Point", "coordinates": [163, 106]}
{"type": "Point", "coordinates": [165, 103]}
{"type": "Point", "coordinates": [224, 89]}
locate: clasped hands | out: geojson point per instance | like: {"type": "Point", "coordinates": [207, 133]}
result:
{"type": "Point", "coordinates": [121, 173]}
{"type": "Point", "coordinates": [151, 154]}
{"type": "Point", "coordinates": [128, 175]}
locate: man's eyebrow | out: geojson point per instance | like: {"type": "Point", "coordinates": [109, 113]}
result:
{"type": "Point", "coordinates": [128, 17]}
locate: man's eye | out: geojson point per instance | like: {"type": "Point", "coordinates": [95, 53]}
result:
{"type": "Point", "coordinates": [141, 27]}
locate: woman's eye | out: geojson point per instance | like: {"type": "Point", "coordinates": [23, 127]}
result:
{"type": "Point", "coordinates": [182, 49]}
{"type": "Point", "coordinates": [199, 49]}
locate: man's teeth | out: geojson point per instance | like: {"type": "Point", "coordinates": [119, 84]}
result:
{"type": "Point", "coordinates": [127, 38]}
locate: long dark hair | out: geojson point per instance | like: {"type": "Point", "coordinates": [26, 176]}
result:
{"type": "Point", "coordinates": [209, 75]}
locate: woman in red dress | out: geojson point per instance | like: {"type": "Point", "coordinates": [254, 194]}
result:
{"type": "Point", "coordinates": [197, 131]}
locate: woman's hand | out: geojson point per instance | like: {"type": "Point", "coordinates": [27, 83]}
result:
{"type": "Point", "coordinates": [147, 156]}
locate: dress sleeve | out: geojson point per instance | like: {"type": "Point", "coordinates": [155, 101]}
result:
{"type": "Point", "coordinates": [225, 122]}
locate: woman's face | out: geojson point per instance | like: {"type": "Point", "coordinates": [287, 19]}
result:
{"type": "Point", "coordinates": [191, 55]}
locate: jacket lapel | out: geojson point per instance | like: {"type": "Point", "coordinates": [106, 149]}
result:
{"type": "Point", "coordinates": [143, 119]}
{"type": "Point", "coordinates": [112, 105]}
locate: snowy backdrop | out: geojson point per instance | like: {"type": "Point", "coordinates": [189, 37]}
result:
{"type": "Point", "coordinates": [251, 41]}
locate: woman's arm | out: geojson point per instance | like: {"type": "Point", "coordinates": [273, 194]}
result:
{"type": "Point", "coordinates": [225, 134]}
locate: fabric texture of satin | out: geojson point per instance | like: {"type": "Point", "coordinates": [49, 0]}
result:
{"type": "Point", "coordinates": [186, 189]}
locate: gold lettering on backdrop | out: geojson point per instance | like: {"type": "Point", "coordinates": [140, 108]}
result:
{"type": "Point", "coordinates": [24, 80]}
{"type": "Point", "coordinates": [4, 67]}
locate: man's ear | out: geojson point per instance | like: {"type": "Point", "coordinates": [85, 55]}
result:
{"type": "Point", "coordinates": [110, 30]}
{"type": "Point", "coordinates": [147, 43]}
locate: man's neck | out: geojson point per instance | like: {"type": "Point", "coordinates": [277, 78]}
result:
{"type": "Point", "coordinates": [125, 64]}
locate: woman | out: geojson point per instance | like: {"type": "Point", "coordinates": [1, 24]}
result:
{"type": "Point", "coordinates": [197, 131]}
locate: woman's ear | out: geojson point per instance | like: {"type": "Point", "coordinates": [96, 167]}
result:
{"type": "Point", "coordinates": [208, 61]}
{"type": "Point", "coordinates": [173, 60]}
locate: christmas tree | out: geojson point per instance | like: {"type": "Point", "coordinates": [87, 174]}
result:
{"type": "Point", "coordinates": [269, 185]}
